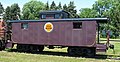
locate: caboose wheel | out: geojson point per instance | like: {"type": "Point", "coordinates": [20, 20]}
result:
{"type": "Point", "coordinates": [41, 48]}
{"type": "Point", "coordinates": [74, 51]}
{"type": "Point", "coordinates": [2, 46]}
{"type": "Point", "coordinates": [0, 49]}
{"type": "Point", "coordinates": [32, 48]}
{"type": "Point", "coordinates": [71, 51]}
{"type": "Point", "coordinates": [88, 52]}
{"type": "Point", "coordinates": [19, 47]}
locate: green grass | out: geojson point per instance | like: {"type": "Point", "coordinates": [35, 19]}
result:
{"type": "Point", "coordinates": [58, 55]}
{"type": "Point", "coordinates": [110, 39]}
{"type": "Point", "coordinates": [116, 49]}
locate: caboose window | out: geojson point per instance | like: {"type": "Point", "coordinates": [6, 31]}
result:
{"type": "Point", "coordinates": [77, 25]}
{"type": "Point", "coordinates": [43, 16]}
{"type": "Point", "coordinates": [57, 16]}
{"type": "Point", "coordinates": [24, 25]}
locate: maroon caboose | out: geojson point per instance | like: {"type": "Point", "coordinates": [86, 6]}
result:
{"type": "Point", "coordinates": [55, 28]}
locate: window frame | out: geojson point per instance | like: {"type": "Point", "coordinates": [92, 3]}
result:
{"type": "Point", "coordinates": [58, 16]}
{"type": "Point", "coordinates": [24, 26]}
{"type": "Point", "coordinates": [77, 25]}
{"type": "Point", "coordinates": [43, 16]}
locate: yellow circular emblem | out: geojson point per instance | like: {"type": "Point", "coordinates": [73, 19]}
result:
{"type": "Point", "coordinates": [48, 27]}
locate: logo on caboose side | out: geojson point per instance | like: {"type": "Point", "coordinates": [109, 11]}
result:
{"type": "Point", "coordinates": [48, 27]}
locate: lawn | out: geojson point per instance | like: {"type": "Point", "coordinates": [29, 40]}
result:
{"type": "Point", "coordinates": [59, 55]}
{"type": "Point", "coordinates": [110, 39]}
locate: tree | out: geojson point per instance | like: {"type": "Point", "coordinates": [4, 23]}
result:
{"type": "Point", "coordinates": [87, 13]}
{"type": "Point", "coordinates": [71, 9]}
{"type": "Point", "coordinates": [12, 12]}
{"type": "Point", "coordinates": [114, 15]}
{"type": "Point", "coordinates": [53, 6]}
{"type": "Point", "coordinates": [102, 6]}
{"type": "Point", "coordinates": [7, 15]}
{"type": "Point", "coordinates": [1, 8]}
{"type": "Point", "coordinates": [47, 6]}
{"type": "Point", "coordinates": [109, 8]}
{"type": "Point", "coordinates": [65, 7]}
{"type": "Point", "coordinates": [31, 9]}
{"type": "Point", "coordinates": [15, 11]}
{"type": "Point", "coordinates": [59, 7]}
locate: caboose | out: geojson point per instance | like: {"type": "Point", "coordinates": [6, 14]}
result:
{"type": "Point", "coordinates": [55, 28]}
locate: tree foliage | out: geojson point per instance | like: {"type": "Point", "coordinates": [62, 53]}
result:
{"type": "Point", "coordinates": [7, 15]}
{"type": "Point", "coordinates": [31, 9]}
{"type": "Point", "coordinates": [12, 12]}
{"type": "Point", "coordinates": [47, 6]}
{"type": "Point", "coordinates": [87, 13]}
{"type": "Point", "coordinates": [65, 7]}
{"type": "Point", "coordinates": [15, 11]}
{"type": "Point", "coordinates": [102, 6]}
{"type": "Point", "coordinates": [114, 15]}
{"type": "Point", "coordinates": [53, 6]}
{"type": "Point", "coordinates": [1, 8]}
{"type": "Point", "coordinates": [111, 9]}
{"type": "Point", "coordinates": [71, 9]}
{"type": "Point", "coordinates": [59, 7]}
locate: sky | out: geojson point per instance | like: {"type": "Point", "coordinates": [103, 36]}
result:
{"type": "Point", "coordinates": [78, 3]}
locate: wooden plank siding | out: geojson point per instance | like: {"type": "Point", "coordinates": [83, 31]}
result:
{"type": "Point", "coordinates": [62, 34]}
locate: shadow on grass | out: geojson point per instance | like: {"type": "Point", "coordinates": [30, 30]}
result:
{"type": "Point", "coordinates": [98, 56]}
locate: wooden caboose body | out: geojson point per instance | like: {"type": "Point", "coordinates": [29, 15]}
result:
{"type": "Point", "coordinates": [63, 33]}
{"type": "Point", "coordinates": [78, 34]}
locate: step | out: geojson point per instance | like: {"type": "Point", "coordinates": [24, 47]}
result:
{"type": "Point", "coordinates": [101, 47]}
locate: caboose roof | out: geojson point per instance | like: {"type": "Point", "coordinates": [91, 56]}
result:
{"type": "Point", "coordinates": [52, 11]}
{"type": "Point", "coordinates": [101, 20]}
